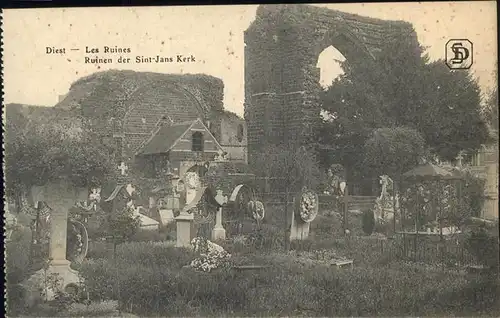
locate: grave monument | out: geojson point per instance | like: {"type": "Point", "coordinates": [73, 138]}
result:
{"type": "Point", "coordinates": [218, 232]}
{"type": "Point", "coordinates": [59, 197]}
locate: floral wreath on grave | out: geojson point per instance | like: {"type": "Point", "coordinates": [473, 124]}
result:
{"type": "Point", "coordinates": [307, 205]}
{"type": "Point", "coordinates": [256, 208]}
{"type": "Point", "coordinates": [212, 256]}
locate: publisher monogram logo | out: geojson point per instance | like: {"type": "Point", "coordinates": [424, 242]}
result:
{"type": "Point", "coordinates": [459, 54]}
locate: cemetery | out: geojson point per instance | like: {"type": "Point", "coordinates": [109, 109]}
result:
{"type": "Point", "coordinates": [182, 229]}
{"type": "Point", "coordinates": [197, 263]}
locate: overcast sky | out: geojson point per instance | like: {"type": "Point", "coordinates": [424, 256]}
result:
{"type": "Point", "coordinates": [214, 35]}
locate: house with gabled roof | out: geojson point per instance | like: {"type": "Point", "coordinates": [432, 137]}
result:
{"type": "Point", "coordinates": [177, 148]}
{"type": "Point", "coordinates": [140, 115]}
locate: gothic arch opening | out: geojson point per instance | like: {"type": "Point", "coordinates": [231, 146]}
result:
{"type": "Point", "coordinates": [284, 45]}
{"type": "Point", "coordinates": [330, 66]}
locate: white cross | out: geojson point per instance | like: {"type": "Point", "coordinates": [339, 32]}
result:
{"type": "Point", "coordinates": [123, 167]}
{"type": "Point", "coordinates": [459, 159]}
{"type": "Point", "coordinates": [221, 199]}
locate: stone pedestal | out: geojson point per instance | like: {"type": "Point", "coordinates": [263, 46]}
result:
{"type": "Point", "coordinates": [299, 230]}
{"type": "Point", "coordinates": [38, 287]}
{"type": "Point", "coordinates": [184, 230]}
{"type": "Point", "coordinates": [218, 232]}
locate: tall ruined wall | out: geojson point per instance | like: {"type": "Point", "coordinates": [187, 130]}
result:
{"type": "Point", "coordinates": [282, 47]}
{"type": "Point", "coordinates": [131, 103]}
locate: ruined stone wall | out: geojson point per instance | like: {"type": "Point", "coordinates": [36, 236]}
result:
{"type": "Point", "coordinates": [138, 100]}
{"type": "Point", "coordinates": [282, 47]}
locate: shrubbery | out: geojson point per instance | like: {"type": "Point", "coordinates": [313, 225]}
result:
{"type": "Point", "coordinates": [368, 222]}
{"type": "Point", "coordinates": [484, 246]}
{"type": "Point", "coordinates": [17, 269]}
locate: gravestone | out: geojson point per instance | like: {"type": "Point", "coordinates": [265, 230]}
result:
{"type": "Point", "coordinates": [184, 221]}
{"type": "Point", "coordinates": [170, 203]}
{"type": "Point", "coordinates": [60, 197]}
{"type": "Point", "coordinates": [305, 211]}
{"type": "Point", "coordinates": [193, 183]}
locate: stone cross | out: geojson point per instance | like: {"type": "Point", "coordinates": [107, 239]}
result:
{"type": "Point", "coordinates": [459, 159]}
{"type": "Point", "coordinates": [220, 155]}
{"type": "Point", "coordinates": [218, 232]}
{"type": "Point", "coordinates": [220, 198]}
{"type": "Point", "coordinates": [123, 167]}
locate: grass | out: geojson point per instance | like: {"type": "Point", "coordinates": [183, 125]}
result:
{"type": "Point", "coordinates": [149, 279]}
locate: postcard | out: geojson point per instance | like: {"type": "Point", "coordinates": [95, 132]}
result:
{"type": "Point", "coordinates": [251, 160]}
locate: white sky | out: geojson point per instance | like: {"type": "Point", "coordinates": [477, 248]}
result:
{"type": "Point", "coordinates": [214, 35]}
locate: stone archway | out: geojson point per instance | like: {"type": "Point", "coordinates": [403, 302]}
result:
{"type": "Point", "coordinates": [282, 47]}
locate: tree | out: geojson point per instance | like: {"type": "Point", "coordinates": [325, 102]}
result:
{"type": "Point", "coordinates": [402, 90]}
{"type": "Point", "coordinates": [492, 105]}
{"type": "Point", "coordinates": [393, 151]}
{"type": "Point", "coordinates": [292, 168]}
{"type": "Point", "coordinates": [121, 225]}
{"type": "Point", "coordinates": [47, 148]}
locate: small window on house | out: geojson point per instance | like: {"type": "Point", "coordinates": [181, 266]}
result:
{"type": "Point", "coordinates": [197, 142]}
{"type": "Point", "coordinates": [240, 133]}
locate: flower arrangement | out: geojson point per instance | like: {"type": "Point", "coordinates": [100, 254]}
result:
{"type": "Point", "coordinates": [308, 206]}
{"type": "Point", "coordinates": [192, 180]}
{"type": "Point", "coordinates": [212, 256]}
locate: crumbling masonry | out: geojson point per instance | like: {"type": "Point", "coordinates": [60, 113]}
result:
{"type": "Point", "coordinates": [282, 47]}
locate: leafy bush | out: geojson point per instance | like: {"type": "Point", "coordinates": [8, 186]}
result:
{"type": "Point", "coordinates": [158, 254]}
{"type": "Point", "coordinates": [18, 256]}
{"type": "Point", "coordinates": [100, 249]}
{"type": "Point", "coordinates": [267, 237]}
{"type": "Point", "coordinates": [368, 222]}
{"type": "Point", "coordinates": [52, 147]}
{"type": "Point", "coordinates": [148, 236]}
{"type": "Point", "coordinates": [169, 231]}
{"type": "Point", "coordinates": [484, 246]}
{"type": "Point", "coordinates": [17, 269]}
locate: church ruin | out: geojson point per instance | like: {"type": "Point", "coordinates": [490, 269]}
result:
{"type": "Point", "coordinates": [282, 47]}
